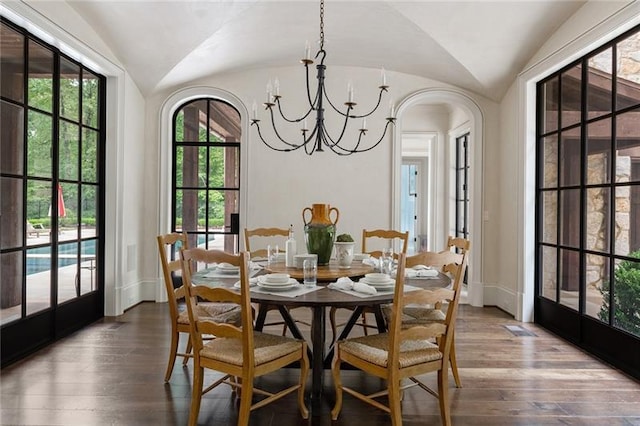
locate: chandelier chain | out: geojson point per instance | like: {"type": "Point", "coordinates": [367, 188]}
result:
{"type": "Point", "coordinates": [321, 24]}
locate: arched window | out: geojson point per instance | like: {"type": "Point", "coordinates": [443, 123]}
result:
{"type": "Point", "coordinates": [206, 135]}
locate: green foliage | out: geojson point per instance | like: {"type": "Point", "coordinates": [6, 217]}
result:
{"type": "Point", "coordinates": [626, 297]}
{"type": "Point", "coordinates": [344, 238]}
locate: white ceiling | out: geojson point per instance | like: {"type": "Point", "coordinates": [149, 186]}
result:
{"type": "Point", "coordinates": [475, 45]}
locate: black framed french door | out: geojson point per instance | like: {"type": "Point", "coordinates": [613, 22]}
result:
{"type": "Point", "coordinates": [587, 202]}
{"type": "Point", "coordinates": [52, 173]}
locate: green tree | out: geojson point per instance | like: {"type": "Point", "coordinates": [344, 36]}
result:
{"type": "Point", "coordinates": [626, 297]}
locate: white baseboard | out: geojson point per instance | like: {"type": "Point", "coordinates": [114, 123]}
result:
{"type": "Point", "coordinates": [501, 297]}
{"type": "Point", "coordinates": [135, 293]}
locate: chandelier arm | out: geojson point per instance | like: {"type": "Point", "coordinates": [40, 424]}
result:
{"type": "Point", "coordinates": [389, 121]}
{"type": "Point", "coordinates": [267, 143]}
{"type": "Point", "coordinates": [382, 90]}
{"type": "Point", "coordinates": [284, 117]}
{"type": "Point", "coordinates": [337, 149]}
{"type": "Point", "coordinates": [275, 130]}
{"type": "Point", "coordinates": [312, 104]}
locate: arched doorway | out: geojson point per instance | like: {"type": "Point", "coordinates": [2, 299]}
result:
{"type": "Point", "coordinates": [443, 223]}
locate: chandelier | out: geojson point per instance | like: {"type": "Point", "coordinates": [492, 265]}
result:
{"type": "Point", "coordinates": [317, 138]}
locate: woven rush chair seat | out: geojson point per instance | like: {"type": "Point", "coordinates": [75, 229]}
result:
{"type": "Point", "coordinates": [375, 349]}
{"type": "Point", "coordinates": [219, 312]}
{"type": "Point", "coordinates": [267, 347]}
{"type": "Point", "coordinates": [413, 315]}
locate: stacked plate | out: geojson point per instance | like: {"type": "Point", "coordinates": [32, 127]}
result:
{"type": "Point", "coordinates": [379, 281]}
{"type": "Point", "coordinates": [276, 282]}
{"type": "Point", "coordinates": [227, 268]}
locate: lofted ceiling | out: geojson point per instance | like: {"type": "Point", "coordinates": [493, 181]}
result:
{"type": "Point", "coordinates": [476, 45]}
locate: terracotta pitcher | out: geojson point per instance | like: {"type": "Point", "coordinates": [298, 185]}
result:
{"type": "Point", "coordinates": [320, 231]}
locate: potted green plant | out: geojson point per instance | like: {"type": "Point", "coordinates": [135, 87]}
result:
{"type": "Point", "coordinates": [344, 250]}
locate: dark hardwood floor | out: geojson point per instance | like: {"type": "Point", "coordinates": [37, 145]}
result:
{"type": "Point", "coordinates": [111, 373]}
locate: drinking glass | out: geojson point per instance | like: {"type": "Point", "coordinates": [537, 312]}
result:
{"type": "Point", "coordinates": [272, 254]}
{"type": "Point", "coordinates": [386, 260]}
{"type": "Point", "coordinates": [310, 271]}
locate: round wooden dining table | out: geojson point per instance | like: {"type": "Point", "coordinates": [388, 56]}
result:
{"type": "Point", "coordinates": [318, 301]}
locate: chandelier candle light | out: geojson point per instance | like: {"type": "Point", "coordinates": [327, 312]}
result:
{"type": "Point", "coordinates": [317, 138]}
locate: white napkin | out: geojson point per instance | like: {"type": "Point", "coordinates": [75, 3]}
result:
{"type": "Point", "coordinates": [412, 273]}
{"type": "Point", "coordinates": [345, 283]}
{"type": "Point", "coordinates": [255, 265]}
{"type": "Point", "coordinates": [371, 261]}
{"type": "Point", "coordinates": [252, 282]}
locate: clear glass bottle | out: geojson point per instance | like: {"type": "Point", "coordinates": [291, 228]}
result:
{"type": "Point", "coordinates": [290, 249]}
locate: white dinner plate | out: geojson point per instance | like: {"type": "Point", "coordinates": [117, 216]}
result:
{"type": "Point", "coordinates": [277, 287]}
{"type": "Point", "coordinates": [262, 279]}
{"type": "Point", "coordinates": [379, 284]}
{"type": "Point", "coordinates": [224, 270]}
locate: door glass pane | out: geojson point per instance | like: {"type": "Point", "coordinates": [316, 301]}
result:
{"type": "Point", "coordinates": [626, 292]}
{"type": "Point", "coordinates": [628, 72]}
{"type": "Point", "coordinates": [90, 206]}
{"type": "Point", "coordinates": [11, 138]}
{"type": "Point", "coordinates": [191, 166]}
{"type": "Point", "coordinates": [221, 205]}
{"type": "Point", "coordinates": [569, 278]}
{"type": "Point", "coordinates": [38, 279]}
{"type": "Point", "coordinates": [90, 99]}
{"type": "Point", "coordinates": [12, 63]}
{"type": "Point", "coordinates": [624, 219]}
{"type": "Point", "coordinates": [11, 273]}
{"type": "Point", "coordinates": [90, 155]}
{"type": "Point", "coordinates": [598, 219]}
{"type": "Point", "coordinates": [40, 77]}
{"type": "Point", "coordinates": [550, 105]}
{"type": "Point", "coordinates": [550, 217]}
{"type": "Point", "coordinates": [599, 83]}
{"type": "Point", "coordinates": [598, 280]}
{"type": "Point", "coordinates": [223, 167]}
{"type": "Point", "coordinates": [225, 122]}
{"type": "Point", "coordinates": [39, 137]}
{"type": "Point", "coordinates": [570, 157]}
{"type": "Point", "coordinates": [190, 209]}
{"type": "Point", "coordinates": [11, 210]}
{"type": "Point", "coordinates": [189, 123]}
{"type": "Point", "coordinates": [571, 96]}
{"type": "Point", "coordinates": [549, 269]}
{"type": "Point", "coordinates": [550, 163]}
{"type": "Point", "coordinates": [38, 211]}
{"type": "Point", "coordinates": [570, 217]}
{"type": "Point", "coordinates": [67, 271]}
{"type": "Point", "coordinates": [628, 145]}
{"type": "Point", "coordinates": [88, 266]}
{"type": "Point", "coordinates": [68, 160]}
{"type": "Point", "coordinates": [599, 151]}
{"type": "Point", "coordinates": [69, 89]}
{"type": "Point", "coordinates": [68, 221]}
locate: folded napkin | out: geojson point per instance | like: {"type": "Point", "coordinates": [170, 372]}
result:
{"type": "Point", "coordinates": [371, 261]}
{"type": "Point", "coordinates": [412, 273]}
{"type": "Point", "coordinates": [252, 282]}
{"type": "Point", "coordinates": [255, 265]}
{"type": "Point", "coordinates": [345, 283]}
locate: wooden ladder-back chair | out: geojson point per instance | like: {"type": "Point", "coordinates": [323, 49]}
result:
{"type": "Point", "coordinates": [404, 352]}
{"type": "Point", "coordinates": [385, 234]}
{"type": "Point", "coordinates": [421, 314]}
{"type": "Point", "coordinates": [237, 352]}
{"type": "Point", "coordinates": [389, 235]}
{"type": "Point", "coordinates": [268, 233]}
{"type": "Point", "coordinates": [168, 246]}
